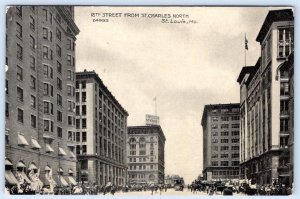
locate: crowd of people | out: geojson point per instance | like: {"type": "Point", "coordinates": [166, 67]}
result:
{"type": "Point", "coordinates": [219, 188]}
{"type": "Point", "coordinates": [210, 189]}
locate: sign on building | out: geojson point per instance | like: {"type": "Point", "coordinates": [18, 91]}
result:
{"type": "Point", "coordinates": [152, 120]}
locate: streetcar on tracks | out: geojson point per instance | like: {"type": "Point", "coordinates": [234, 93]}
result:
{"type": "Point", "coordinates": [179, 184]}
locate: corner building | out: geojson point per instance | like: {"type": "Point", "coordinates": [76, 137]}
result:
{"type": "Point", "coordinates": [40, 97]}
{"type": "Point", "coordinates": [265, 104]}
{"type": "Point", "coordinates": [221, 138]}
{"type": "Point", "coordinates": [146, 154]}
{"type": "Point", "coordinates": [101, 128]}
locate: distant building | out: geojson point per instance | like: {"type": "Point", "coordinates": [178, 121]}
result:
{"type": "Point", "coordinates": [265, 98]}
{"type": "Point", "coordinates": [221, 140]}
{"type": "Point", "coordinates": [172, 179]}
{"type": "Point", "coordinates": [40, 98]}
{"type": "Point", "coordinates": [101, 129]}
{"type": "Point", "coordinates": [146, 154]}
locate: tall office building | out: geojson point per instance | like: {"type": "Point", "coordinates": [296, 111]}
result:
{"type": "Point", "coordinates": [221, 138]}
{"type": "Point", "coordinates": [40, 97]}
{"type": "Point", "coordinates": [101, 129]}
{"type": "Point", "coordinates": [265, 99]}
{"type": "Point", "coordinates": [146, 154]}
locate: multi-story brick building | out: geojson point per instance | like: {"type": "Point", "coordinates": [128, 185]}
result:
{"type": "Point", "coordinates": [101, 129]}
{"type": "Point", "coordinates": [146, 154]}
{"type": "Point", "coordinates": [221, 123]}
{"type": "Point", "coordinates": [40, 94]}
{"type": "Point", "coordinates": [264, 99]}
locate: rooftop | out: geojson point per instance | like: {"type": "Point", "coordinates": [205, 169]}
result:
{"type": "Point", "coordinates": [92, 74]}
{"type": "Point", "coordinates": [216, 106]}
{"type": "Point", "coordinates": [273, 16]}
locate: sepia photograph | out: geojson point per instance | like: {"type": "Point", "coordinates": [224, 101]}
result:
{"type": "Point", "coordinates": [149, 100]}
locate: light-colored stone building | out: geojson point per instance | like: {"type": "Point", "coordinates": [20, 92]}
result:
{"type": "Point", "coordinates": [146, 154]}
{"type": "Point", "coordinates": [221, 139]}
{"type": "Point", "coordinates": [101, 130]}
{"type": "Point", "coordinates": [40, 97]}
{"type": "Point", "coordinates": [264, 100]}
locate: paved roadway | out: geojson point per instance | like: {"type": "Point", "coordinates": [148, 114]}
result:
{"type": "Point", "coordinates": [170, 192]}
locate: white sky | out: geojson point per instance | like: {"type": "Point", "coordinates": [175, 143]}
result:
{"type": "Point", "coordinates": [184, 65]}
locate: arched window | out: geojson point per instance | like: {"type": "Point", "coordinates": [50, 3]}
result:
{"type": "Point", "coordinates": [132, 140]}
{"type": "Point", "coordinates": [151, 177]}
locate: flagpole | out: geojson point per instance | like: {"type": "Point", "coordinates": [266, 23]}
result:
{"type": "Point", "coordinates": [246, 43]}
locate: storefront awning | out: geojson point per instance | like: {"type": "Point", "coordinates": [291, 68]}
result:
{"type": "Point", "coordinates": [48, 182]}
{"type": "Point", "coordinates": [11, 179]}
{"type": "Point", "coordinates": [32, 166]}
{"type": "Point", "coordinates": [61, 151]}
{"type": "Point", "coordinates": [72, 155]}
{"type": "Point", "coordinates": [22, 140]}
{"type": "Point", "coordinates": [70, 171]}
{"type": "Point", "coordinates": [47, 168]}
{"type": "Point", "coordinates": [49, 148]}
{"type": "Point", "coordinates": [24, 176]}
{"type": "Point", "coordinates": [35, 144]}
{"type": "Point", "coordinates": [63, 181]}
{"type": "Point", "coordinates": [72, 180]}
{"type": "Point", "coordinates": [21, 165]}
{"type": "Point", "coordinates": [8, 163]}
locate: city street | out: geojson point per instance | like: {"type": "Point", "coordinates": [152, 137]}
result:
{"type": "Point", "coordinates": [170, 192]}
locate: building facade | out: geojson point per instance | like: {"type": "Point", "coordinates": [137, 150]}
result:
{"type": "Point", "coordinates": [221, 138]}
{"type": "Point", "coordinates": [40, 84]}
{"type": "Point", "coordinates": [146, 154]}
{"type": "Point", "coordinates": [101, 131]}
{"type": "Point", "coordinates": [264, 100]}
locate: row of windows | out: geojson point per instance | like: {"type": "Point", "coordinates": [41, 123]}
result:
{"type": "Point", "coordinates": [225, 148]}
{"type": "Point", "coordinates": [225, 173]}
{"type": "Point", "coordinates": [225, 163]}
{"type": "Point", "coordinates": [48, 54]}
{"type": "Point", "coordinates": [226, 110]}
{"type": "Point", "coordinates": [141, 176]}
{"type": "Point", "coordinates": [225, 118]}
{"type": "Point", "coordinates": [48, 91]}
{"type": "Point", "coordinates": [225, 140]}
{"type": "Point", "coordinates": [135, 159]}
{"type": "Point", "coordinates": [223, 126]}
{"type": "Point", "coordinates": [77, 136]}
{"type": "Point", "coordinates": [225, 133]}
{"type": "Point", "coordinates": [225, 155]}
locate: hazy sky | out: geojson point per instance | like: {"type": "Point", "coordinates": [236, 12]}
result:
{"type": "Point", "coordinates": [184, 65]}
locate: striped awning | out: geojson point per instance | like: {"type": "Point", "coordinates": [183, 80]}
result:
{"type": "Point", "coordinates": [72, 155]}
{"type": "Point", "coordinates": [8, 163]}
{"type": "Point", "coordinates": [22, 140]}
{"type": "Point", "coordinates": [61, 152]}
{"type": "Point", "coordinates": [21, 165]}
{"type": "Point", "coordinates": [25, 177]}
{"type": "Point", "coordinates": [72, 180]}
{"type": "Point", "coordinates": [32, 166]}
{"type": "Point", "coordinates": [63, 181]}
{"type": "Point", "coordinates": [10, 178]}
{"type": "Point", "coordinates": [49, 149]}
{"type": "Point", "coordinates": [35, 144]}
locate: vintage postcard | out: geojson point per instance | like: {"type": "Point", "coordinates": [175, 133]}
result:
{"type": "Point", "coordinates": [149, 100]}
